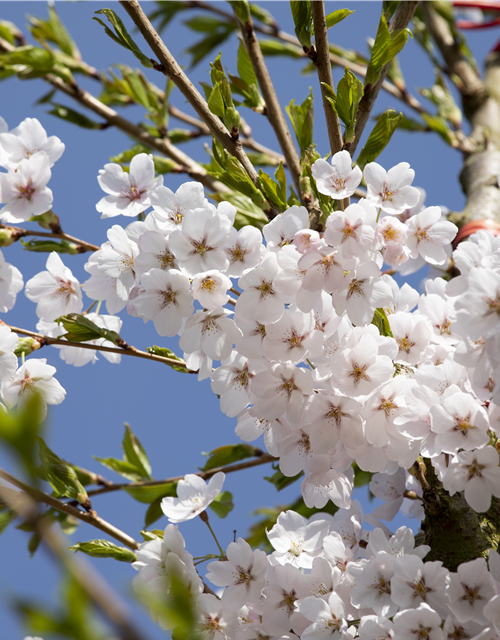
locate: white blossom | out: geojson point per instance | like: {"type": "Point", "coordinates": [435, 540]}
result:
{"type": "Point", "coordinates": [193, 497]}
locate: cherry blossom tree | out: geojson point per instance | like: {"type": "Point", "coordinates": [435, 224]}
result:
{"type": "Point", "coordinates": [287, 293]}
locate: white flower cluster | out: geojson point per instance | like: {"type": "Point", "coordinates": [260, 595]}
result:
{"type": "Point", "coordinates": [328, 579]}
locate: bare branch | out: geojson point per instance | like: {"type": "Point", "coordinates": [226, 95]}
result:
{"type": "Point", "coordinates": [19, 232]}
{"type": "Point", "coordinates": [89, 517]}
{"type": "Point", "coordinates": [273, 108]}
{"type": "Point", "coordinates": [403, 15]}
{"type": "Point", "coordinates": [128, 350]}
{"type": "Point", "coordinates": [262, 459]}
{"type": "Point", "coordinates": [324, 68]}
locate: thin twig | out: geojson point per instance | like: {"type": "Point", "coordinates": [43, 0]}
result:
{"type": "Point", "coordinates": [169, 66]}
{"type": "Point", "coordinates": [127, 350]}
{"type": "Point", "coordinates": [403, 15]}
{"type": "Point", "coordinates": [254, 462]}
{"type": "Point", "coordinates": [19, 232]}
{"type": "Point", "coordinates": [90, 517]}
{"type": "Point", "coordinates": [324, 69]}
{"type": "Point", "coordinates": [273, 108]}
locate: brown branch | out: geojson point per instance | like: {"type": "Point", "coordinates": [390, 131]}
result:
{"type": "Point", "coordinates": [273, 108]}
{"type": "Point", "coordinates": [127, 350]}
{"type": "Point", "coordinates": [82, 572]}
{"type": "Point", "coordinates": [19, 232]}
{"type": "Point", "coordinates": [169, 66]}
{"type": "Point", "coordinates": [324, 69]}
{"type": "Point", "coordinates": [401, 19]}
{"type": "Point", "coordinates": [90, 518]}
{"type": "Point", "coordinates": [262, 459]}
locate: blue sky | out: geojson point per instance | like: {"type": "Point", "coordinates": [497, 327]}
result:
{"type": "Point", "coordinates": [175, 417]}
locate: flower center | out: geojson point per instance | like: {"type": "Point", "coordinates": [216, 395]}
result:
{"type": "Point", "coordinates": [26, 190]}
{"type": "Point", "coordinates": [166, 298]}
{"type": "Point", "coordinates": [405, 344]}
{"type": "Point", "coordinates": [166, 260]}
{"type": "Point", "coordinates": [359, 372]}
{"type": "Point", "coordinates": [209, 284]}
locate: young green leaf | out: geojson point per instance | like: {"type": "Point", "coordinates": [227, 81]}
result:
{"type": "Point", "coordinates": [281, 481]}
{"type": "Point", "coordinates": [303, 20]}
{"type": "Point", "coordinates": [349, 94]}
{"type": "Point", "coordinates": [381, 321]}
{"type": "Point", "coordinates": [302, 119]}
{"type": "Point", "coordinates": [135, 453]}
{"type": "Point", "coordinates": [122, 36]}
{"type": "Point", "coordinates": [166, 353]}
{"type": "Point", "coordinates": [275, 48]}
{"type": "Point", "coordinates": [245, 67]}
{"type": "Point", "coordinates": [379, 137]}
{"type": "Point", "coordinates": [272, 190]}
{"type": "Point", "coordinates": [53, 30]}
{"type": "Point", "coordinates": [228, 454]}
{"type": "Point", "coordinates": [104, 549]}
{"type": "Point", "coordinates": [75, 117]}
{"type": "Point", "coordinates": [80, 329]}
{"type": "Point", "coordinates": [122, 467]}
{"type": "Point", "coordinates": [61, 476]}
{"type": "Point", "coordinates": [222, 504]}
{"type": "Point", "coordinates": [47, 246]}
{"type": "Point", "coordinates": [148, 495]}
{"type": "Point", "coordinates": [337, 16]}
{"type": "Point", "coordinates": [386, 47]}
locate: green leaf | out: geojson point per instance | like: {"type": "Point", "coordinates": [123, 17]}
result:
{"type": "Point", "coordinates": [6, 517]}
{"type": "Point", "coordinates": [222, 504]}
{"type": "Point", "coordinates": [228, 454]}
{"type": "Point", "coordinates": [440, 126]}
{"type": "Point", "coordinates": [381, 321]}
{"type": "Point", "coordinates": [205, 24]}
{"type": "Point", "coordinates": [135, 453]}
{"type": "Point", "coordinates": [303, 20]}
{"type": "Point", "coordinates": [302, 119]}
{"type": "Point", "coordinates": [281, 178]}
{"type": "Point", "coordinates": [154, 512]}
{"type": "Point", "coordinates": [245, 67]}
{"type": "Point", "coordinates": [154, 534]}
{"type": "Point", "coordinates": [149, 494]}
{"type": "Point", "coordinates": [379, 137]}
{"type": "Point", "coordinates": [47, 246]}
{"type": "Point", "coordinates": [166, 353]}
{"type": "Point", "coordinates": [246, 211]}
{"type": "Point", "coordinates": [61, 476]}
{"type": "Point", "coordinates": [261, 14]}
{"type": "Point", "coordinates": [361, 478]}
{"type": "Point", "coordinates": [54, 31]}
{"type": "Point", "coordinates": [8, 31]}
{"type": "Point", "coordinates": [346, 102]}
{"type": "Point", "coordinates": [281, 481]}
{"type": "Point", "coordinates": [122, 467]}
{"type": "Point", "coordinates": [272, 190]}
{"type": "Point", "coordinates": [409, 124]}
{"type": "Point", "coordinates": [20, 432]}
{"type": "Point", "coordinates": [275, 48]}
{"type": "Point", "coordinates": [104, 549]}
{"type": "Point", "coordinates": [28, 61]}
{"type": "Point", "coordinates": [442, 97]}
{"type": "Point", "coordinates": [122, 36]}
{"type": "Point", "coordinates": [80, 329]}
{"type": "Point", "coordinates": [203, 47]}
{"type": "Point", "coordinates": [216, 101]}
{"type": "Point", "coordinates": [337, 16]}
{"type": "Point", "coordinates": [386, 47]}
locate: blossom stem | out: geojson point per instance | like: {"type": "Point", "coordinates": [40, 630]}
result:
{"type": "Point", "coordinates": [233, 290]}
{"type": "Point", "coordinates": [90, 308]}
{"type": "Point", "coordinates": [378, 214]}
{"type": "Point", "coordinates": [127, 350]}
{"type": "Point", "coordinates": [205, 520]}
